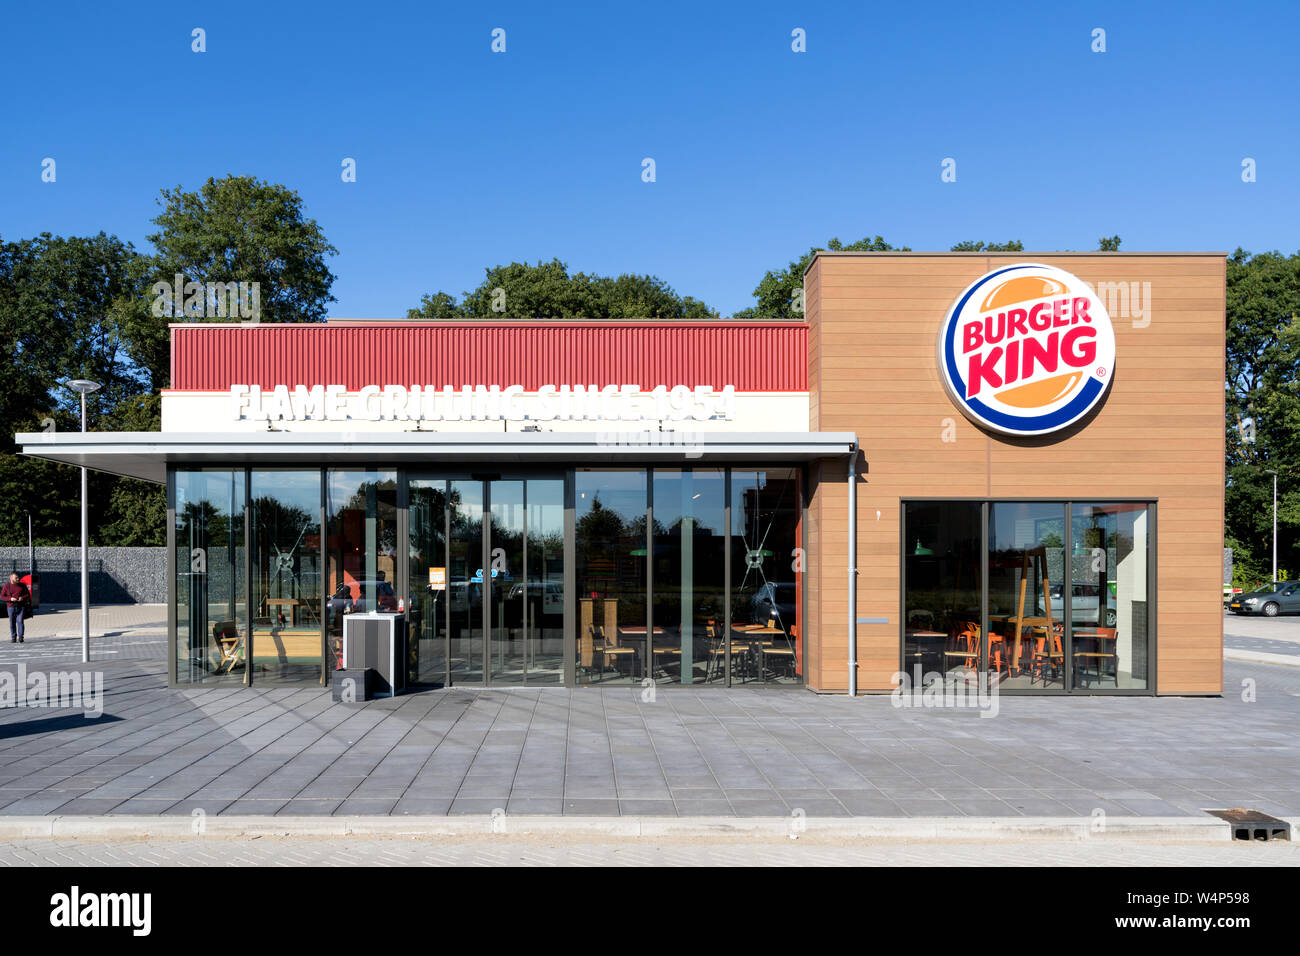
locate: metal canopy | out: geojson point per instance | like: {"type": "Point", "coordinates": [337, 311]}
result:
{"type": "Point", "coordinates": [146, 455]}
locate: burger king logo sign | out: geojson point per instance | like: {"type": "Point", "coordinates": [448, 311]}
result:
{"type": "Point", "coordinates": [1027, 350]}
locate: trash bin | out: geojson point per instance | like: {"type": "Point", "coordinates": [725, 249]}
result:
{"type": "Point", "coordinates": [354, 685]}
{"type": "Point", "coordinates": [377, 641]}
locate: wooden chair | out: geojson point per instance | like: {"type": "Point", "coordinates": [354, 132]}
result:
{"type": "Point", "coordinates": [1047, 661]}
{"type": "Point", "coordinates": [717, 652]}
{"type": "Point", "coordinates": [1107, 643]}
{"type": "Point", "coordinates": [229, 642]}
{"type": "Point", "coordinates": [783, 657]}
{"type": "Point", "coordinates": [669, 654]}
{"type": "Point", "coordinates": [606, 651]}
{"type": "Point", "coordinates": [782, 653]}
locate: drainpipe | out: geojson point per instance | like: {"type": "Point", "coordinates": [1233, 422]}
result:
{"type": "Point", "coordinates": [853, 569]}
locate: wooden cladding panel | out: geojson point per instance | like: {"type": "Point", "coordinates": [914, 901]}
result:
{"type": "Point", "coordinates": [873, 324]}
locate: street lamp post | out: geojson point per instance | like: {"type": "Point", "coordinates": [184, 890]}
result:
{"type": "Point", "coordinates": [1270, 471]}
{"type": "Point", "coordinates": [84, 387]}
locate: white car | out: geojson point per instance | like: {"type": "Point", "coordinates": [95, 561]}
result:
{"type": "Point", "coordinates": [1084, 600]}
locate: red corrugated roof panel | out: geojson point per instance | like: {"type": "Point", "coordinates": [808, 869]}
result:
{"type": "Point", "coordinates": [752, 356]}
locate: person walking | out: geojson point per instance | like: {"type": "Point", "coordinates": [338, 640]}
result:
{"type": "Point", "coordinates": [16, 597]}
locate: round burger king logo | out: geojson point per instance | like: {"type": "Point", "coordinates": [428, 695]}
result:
{"type": "Point", "coordinates": [1026, 350]}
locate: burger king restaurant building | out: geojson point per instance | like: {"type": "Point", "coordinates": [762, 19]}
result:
{"type": "Point", "coordinates": [953, 465]}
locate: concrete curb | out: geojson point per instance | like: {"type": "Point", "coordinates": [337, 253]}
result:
{"type": "Point", "coordinates": [1162, 829]}
{"type": "Point", "coordinates": [1260, 657]}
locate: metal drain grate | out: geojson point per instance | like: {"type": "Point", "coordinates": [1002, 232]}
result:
{"type": "Point", "coordinates": [1253, 824]}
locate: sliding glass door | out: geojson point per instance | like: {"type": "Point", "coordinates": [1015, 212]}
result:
{"type": "Point", "coordinates": [487, 559]}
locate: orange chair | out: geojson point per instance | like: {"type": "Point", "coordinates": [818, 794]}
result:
{"type": "Point", "coordinates": [997, 653]}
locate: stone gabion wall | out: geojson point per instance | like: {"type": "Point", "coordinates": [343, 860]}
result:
{"type": "Point", "coordinates": [117, 575]}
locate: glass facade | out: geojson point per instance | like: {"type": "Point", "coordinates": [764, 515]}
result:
{"type": "Point", "coordinates": [943, 569]}
{"type": "Point", "coordinates": [1026, 560]}
{"type": "Point", "coordinates": [1110, 588]}
{"type": "Point", "coordinates": [427, 509]}
{"type": "Point", "coordinates": [724, 593]}
{"type": "Point", "coordinates": [286, 644]}
{"type": "Point", "coordinates": [526, 583]}
{"type": "Point", "coordinates": [465, 631]}
{"type": "Point", "coordinates": [210, 589]}
{"type": "Point", "coordinates": [688, 575]}
{"type": "Point", "coordinates": [766, 576]}
{"type": "Point", "coordinates": [361, 541]}
{"type": "Point", "coordinates": [610, 549]}
{"type": "Point", "coordinates": [1041, 596]}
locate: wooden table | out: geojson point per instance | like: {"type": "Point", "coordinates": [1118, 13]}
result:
{"type": "Point", "coordinates": [918, 655]}
{"type": "Point", "coordinates": [290, 603]}
{"type": "Point", "coordinates": [638, 633]}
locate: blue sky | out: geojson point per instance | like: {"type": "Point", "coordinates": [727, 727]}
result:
{"type": "Point", "coordinates": [466, 158]}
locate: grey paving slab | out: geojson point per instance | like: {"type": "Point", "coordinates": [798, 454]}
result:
{"type": "Point", "coordinates": [226, 749]}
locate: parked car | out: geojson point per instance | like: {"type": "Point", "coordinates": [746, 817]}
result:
{"type": "Point", "coordinates": [1278, 597]}
{"type": "Point", "coordinates": [775, 600]}
{"type": "Point", "coordinates": [1230, 594]}
{"type": "Point", "coordinates": [1084, 601]}
{"type": "Point", "coordinates": [547, 597]}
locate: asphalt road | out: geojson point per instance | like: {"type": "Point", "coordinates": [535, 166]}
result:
{"type": "Point", "coordinates": [1270, 635]}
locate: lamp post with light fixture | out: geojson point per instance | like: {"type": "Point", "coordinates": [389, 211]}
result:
{"type": "Point", "coordinates": [84, 387]}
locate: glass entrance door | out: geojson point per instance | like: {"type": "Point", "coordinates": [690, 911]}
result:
{"type": "Point", "coordinates": [526, 583]}
{"type": "Point", "coordinates": [489, 558]}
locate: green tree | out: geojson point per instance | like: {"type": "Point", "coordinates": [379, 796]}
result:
{"type": "Point", "coordinates": [547, 290]}
{"type": "Point", "coordinates": [127, 512]}
{"type": "Point", "coordinates": [970, 245]}
{"type": "Point", "coordinates": [235, 229]}
{"type": "Point", "coordinates": [61, 309]}
{"type": "Point", "coordinates": [780, 291]}
{"type": "Point", "coordinates": [1263, 408]}
{"type": "Point", "coordinates": [62, 302]}
{"type": "Point", "coordinates": [439, 305]}
{"type": "Point", "coordinates": [1108, 244]}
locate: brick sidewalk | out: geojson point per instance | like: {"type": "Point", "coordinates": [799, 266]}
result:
{"type": "Point", "coordinates": [691, 752]}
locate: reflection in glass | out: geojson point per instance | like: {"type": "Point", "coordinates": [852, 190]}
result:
{"type": "Point", "coordinates": [1026, 618]}
{"type": "Point", "coordinates": [286, 585]}
{"type": "Point", "coordinates": [426, 650]}
{"type": "Point", "coordinates": [941, 601]}
{"type": "Point", "coordinates": [610, 574]}
{"type": "Point", "coordinates": [465, 648]}
{"type": "Point", "coordinates": [1108, 601]}
{"type": "Point", "coordinates": [544, 575]}
{"type": "Point", "coordinates": [210, 587]}
{"type": "Point", "coordinates": [362, 540]}
{"type": "Point", "coordinates": [690, 561]}
{"type": "Point", "coordinates": [766, 641]}
{"type": "Point", "coordinates": [506, 556]}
